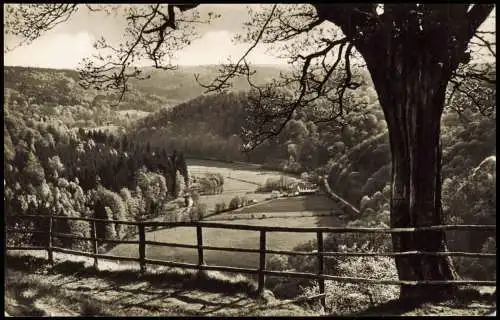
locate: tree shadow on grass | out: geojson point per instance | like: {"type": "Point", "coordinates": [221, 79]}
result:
{"type": "Point", "coordinates": [169, 277]}
{"type": "Point", "coordinates": [25, 262]}
{"type": "Point", "coordinates": [26, 301]}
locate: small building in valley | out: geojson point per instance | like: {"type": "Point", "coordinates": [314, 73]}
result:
{"type": "Point", "coordinates": [301, 188]}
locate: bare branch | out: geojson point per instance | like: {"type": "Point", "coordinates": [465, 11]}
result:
{"type": "Point", "coordinates": [156, 33]}
{"type": "Point", "coordinates": [476, 15]}
{"type": "Point", "coordinates": [30, 21]}
{"type": "Point", "coordinates": [229, 71]}
{"type": "Point", "coordinates": [473, 87]}
{"type": "Point", "coordinates": [487, 44]}
{"type": "Point", "coordinates": [271, 109]}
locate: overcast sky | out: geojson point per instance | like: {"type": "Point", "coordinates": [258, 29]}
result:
{"type": "Point", "coordinates": [68, 43]}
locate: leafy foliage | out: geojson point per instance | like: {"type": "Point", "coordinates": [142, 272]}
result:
{"type": "Point", "coordinates": [53, 170]}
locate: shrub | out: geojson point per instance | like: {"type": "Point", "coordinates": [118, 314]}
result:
{"type": "Point", "coordinates": [81, 229]}
{"type": "Point", "coordinates": [244, 201]}
{"type": "Point", "coordinates": [310, 263]}
{"type": "Point", "coordinates": [195, 195]}
{"type": "Point", "coordinates": [471, 199]}
{"type": "Point", "coordinates": [287, 288]}
{"type": "Point", "coordinates": [172, 216]}
{"type": "Point", "coordinates": [198, 212]}
{"type": "Point", "coordinates": [342, 297]}
{"type": "Point", "coordinates": [192, 214]}
{"type": "Point", "coordinates": [282, 183]}
{"type": "Point", "coordinates": [221, 206]}
{"type": "Point", "coordinates": [116, 210]}
{"type": "Point", "coordinates": [110, 227]}
{"type": "Point", "coordinates": [235, 203]}
{"type": "Point", "coordinates": [276, 262]}
{"type": "Point", "coordinates": [201, 211]}
{"type": "Point", "coordinates": [211, 183]}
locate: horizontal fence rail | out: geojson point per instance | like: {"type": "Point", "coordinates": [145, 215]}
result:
{"type": "Point", "coordinates": [261, 271]}
{"type": "Point", "coordinates": [459, 227]}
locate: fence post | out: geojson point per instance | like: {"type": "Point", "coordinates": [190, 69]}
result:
{"type": "Point", "coordinates": [262, 260]}
{"type": "Point", "coordinates": [199, 243]}
{"type": "Point", "coordinates": [94, 243]}
{"type": "Point", "coordinates": [201, 260]}
{"type": "Point", "coordinates": [321, 281]}
{"type": "Point", "coordinates": [142, 246]}
{"type": "Point", "coordinates": [49, 248]}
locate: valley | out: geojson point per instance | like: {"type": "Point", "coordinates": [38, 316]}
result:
{"type": "Point", "coordinates": [285, 212]}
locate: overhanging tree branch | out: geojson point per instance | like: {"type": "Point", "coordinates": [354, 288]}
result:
{"type": "Point", "coordinates": [311, 82]}
{"type": "Point", "coordinates": [30, 21]}
{"type": "Point", "coordinates": [476, 15]}
{"type": "Point", "coordinates": [156, 36]}
{"type": "Point", "coordinates": [229, 71]}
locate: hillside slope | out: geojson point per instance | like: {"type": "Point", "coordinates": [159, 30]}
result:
{"type": "Point", "coordinates": [55, 94]}
{"type": "Point", "coordinates": [51, 87]}
{"type": "Point", "coordinates": [31, 289]}
{"type": "Point", "coordinates": [180, 85]}
{"type": "Point", "coordinates": [71, 289]}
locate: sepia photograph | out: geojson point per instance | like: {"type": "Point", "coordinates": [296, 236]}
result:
{"type": "Point", "coordinates": [262, 160]}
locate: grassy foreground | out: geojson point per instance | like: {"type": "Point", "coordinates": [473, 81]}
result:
{"type": "Point", "coordinates": [74, 288]}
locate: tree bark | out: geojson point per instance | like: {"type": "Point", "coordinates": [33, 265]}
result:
{"type": "Point", "coordinates": [411, 86]}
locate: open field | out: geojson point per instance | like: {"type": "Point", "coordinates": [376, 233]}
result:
{"type": "Point", "coordinates": [226, 238]}
{"type": "Point", "coordinates": [247, 178]}
{"type": "Point", "coordinates": [231, 216]}
{"type": "Point", "coordinates": [312, 203]}
{"type": "Point", "coordinates": [133, 114]}
{"type": "Point", "coordinates": [243, 171]}
{"type": "Point", "coordinates": [294, 206]}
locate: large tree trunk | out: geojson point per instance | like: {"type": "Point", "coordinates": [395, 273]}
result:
{"type": "Point", "coordinates": [411, 88]}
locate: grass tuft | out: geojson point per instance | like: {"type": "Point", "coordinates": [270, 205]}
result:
{"type": "Point", "coordinates": [91, 309]}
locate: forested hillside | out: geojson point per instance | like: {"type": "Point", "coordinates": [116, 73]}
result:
{"type": "Point", "coordinates": [180, 85]}
{"type": "Point", "coordinates": [49, 93]}
{"type": "Point", "coordinates": [210, 126]}
{"type": "Point", "coordinates": [51, 169]}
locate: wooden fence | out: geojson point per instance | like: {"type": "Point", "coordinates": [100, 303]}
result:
{"type": "Point", "coordinates": [263, 230]}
